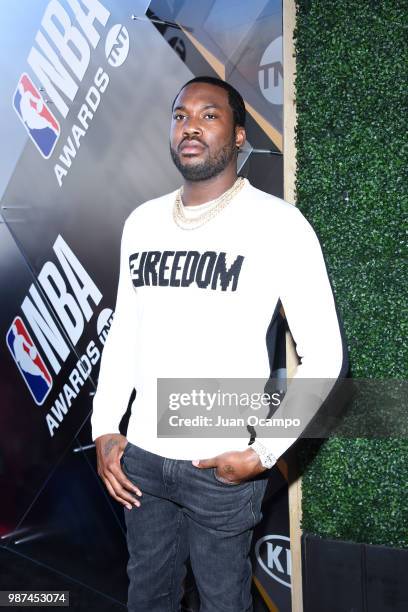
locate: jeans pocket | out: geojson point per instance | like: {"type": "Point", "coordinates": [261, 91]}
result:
{"type": "Point", "coordinates": [224, 481]}
{"type": "Point", "coordinates": [257, 499]}
{"type": "Point", "coordinates": [128, 445]}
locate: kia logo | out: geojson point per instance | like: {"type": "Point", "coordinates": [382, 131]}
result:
{"type": "Point", "coordinates": [273, 555]}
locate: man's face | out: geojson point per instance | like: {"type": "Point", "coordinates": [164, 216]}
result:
{"type": "Point", "coordinates": [203, 141]}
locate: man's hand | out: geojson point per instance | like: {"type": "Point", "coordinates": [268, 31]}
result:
{"type": "Point", "coordinates": [109, 450]}
{"type": "Point", "coordinates": [234, 466]}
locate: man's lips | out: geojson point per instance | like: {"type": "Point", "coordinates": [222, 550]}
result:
{"type": "Point", "coordinates": [191, 146]}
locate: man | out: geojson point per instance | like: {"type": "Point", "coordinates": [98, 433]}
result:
{"type": "Point", "coordinates": [203, 271]}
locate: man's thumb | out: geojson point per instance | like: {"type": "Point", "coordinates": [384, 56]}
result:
{"type": "Point", "coordinates": [204, 463]}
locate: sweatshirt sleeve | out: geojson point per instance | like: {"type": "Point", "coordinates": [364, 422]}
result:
{"type": "Point", "coordinates": [116, 374]}
{"type": "Point", "coordinates": [310, 309]}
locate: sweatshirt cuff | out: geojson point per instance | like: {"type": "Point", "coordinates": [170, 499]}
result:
{"type": "Point", "coordinates": [102, 431]}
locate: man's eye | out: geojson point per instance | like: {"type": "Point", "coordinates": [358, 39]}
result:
{"type": "Point", "coordinates": [178, 116]}
{"type": "Point", "coordinates": [210, 115]}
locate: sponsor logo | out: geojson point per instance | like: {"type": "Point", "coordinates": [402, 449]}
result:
{"type": "Point", "coordinates": [103, 325]}
{"type": "Point", "coordinates": [68, 36]}
{"type": "Point", "coordinates": [273, 555]}
{"type": "Point", "coordinates": [57, 309]}
{"type": "Point", "coordinates": [29, 361]}
{"type": "Point", "coordinates": [270, 73]}
{"type": "Point", "coordinates": [117, 45]}
{"type": "Point", "coordinates": [41, 125]}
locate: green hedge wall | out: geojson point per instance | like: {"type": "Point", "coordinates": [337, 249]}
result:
{"type": "Point", "coordinates": [351, 155]}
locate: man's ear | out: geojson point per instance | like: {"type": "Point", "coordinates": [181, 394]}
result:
{"type": "Point", "coordinates": [240, 136]}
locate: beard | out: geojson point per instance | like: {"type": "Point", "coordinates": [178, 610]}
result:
{"type": "Point", "coordinates": [208, 168]}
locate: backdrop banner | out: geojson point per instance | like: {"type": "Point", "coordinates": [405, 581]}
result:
{"type": "Point", "coordinates": [85, 116]}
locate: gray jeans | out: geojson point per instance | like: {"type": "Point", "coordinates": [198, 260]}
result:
{"type": "Point", "coordinates": [187, 512]}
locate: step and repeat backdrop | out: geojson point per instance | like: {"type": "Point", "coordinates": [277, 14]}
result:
{"type": "Point", "coordinates": [85, 112]}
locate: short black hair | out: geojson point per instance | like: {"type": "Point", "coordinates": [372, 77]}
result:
{"type": "Point", "coordinates": [235, 99]}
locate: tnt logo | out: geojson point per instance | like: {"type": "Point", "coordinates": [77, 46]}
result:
{"type": "Point", "coordinates": [29, 361]}
{"type": "Point", "coordinates": [40, 123]}
{"type": "Point", "coordinates": [270, 74]}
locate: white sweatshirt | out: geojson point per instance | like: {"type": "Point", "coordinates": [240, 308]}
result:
{"type": "Point", "coordinates": [197, 304]}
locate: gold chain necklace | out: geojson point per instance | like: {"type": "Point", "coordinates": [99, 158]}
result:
{"type": "Point", "coordinates": [219, 204]}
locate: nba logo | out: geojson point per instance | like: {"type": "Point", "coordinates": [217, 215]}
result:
{"type": "Point", "coordinates": [29, 361]}
{"type": "Point", "coordinates": [40, 123]}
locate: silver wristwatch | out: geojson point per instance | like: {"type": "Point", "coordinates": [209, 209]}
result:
{"type": "Point", "coordinates": [266, 457]}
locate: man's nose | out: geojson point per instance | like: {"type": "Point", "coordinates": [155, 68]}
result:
{"type": "Point", "coordinates": [192, 126]}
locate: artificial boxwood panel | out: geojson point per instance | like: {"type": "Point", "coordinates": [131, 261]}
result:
{"type": "Point", "coordinates": [351, 155]}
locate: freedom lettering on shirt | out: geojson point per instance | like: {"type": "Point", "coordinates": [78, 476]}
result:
{"type": "Point", "coordinates": [183, 268]}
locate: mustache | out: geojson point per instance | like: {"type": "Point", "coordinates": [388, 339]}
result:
{"type": "Point", "coordinates": [187, 139]}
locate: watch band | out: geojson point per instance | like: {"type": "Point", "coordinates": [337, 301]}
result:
{"type": "Point", "coordinates": [266, 457]}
